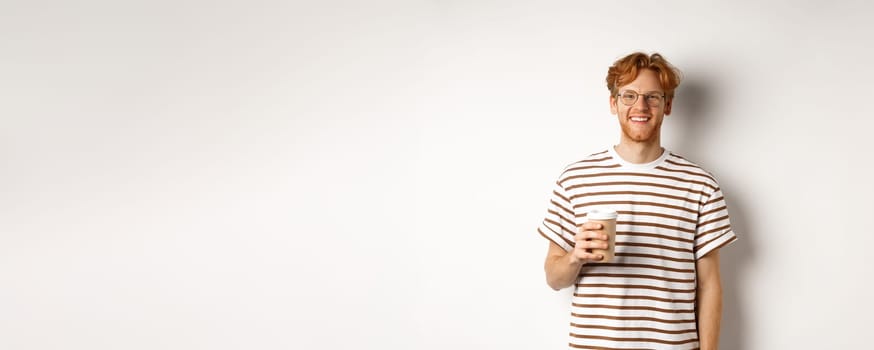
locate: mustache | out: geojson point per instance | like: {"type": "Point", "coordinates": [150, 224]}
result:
{"type": "Point", "coordinates": [628, 113]}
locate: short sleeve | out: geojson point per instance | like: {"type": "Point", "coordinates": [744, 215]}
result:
{"type": "Point", "coordinates": [559, 225]}
{"type": "Point", "coordinates": [714, 226]}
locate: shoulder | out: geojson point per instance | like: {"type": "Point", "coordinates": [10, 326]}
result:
{"type": "Point", "coordinates": [593, 163]}
{"type": "Point", "coordinates": [679, 164]}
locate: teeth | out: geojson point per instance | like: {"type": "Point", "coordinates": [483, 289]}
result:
{"type": "Point", "coordinates": [637, 119]}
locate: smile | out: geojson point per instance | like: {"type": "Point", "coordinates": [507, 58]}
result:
{"type": "Point", "coordinates": [640, 119]}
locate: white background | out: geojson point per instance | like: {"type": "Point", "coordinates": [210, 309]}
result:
{"type": "Point", "coordinates": [370, 175]}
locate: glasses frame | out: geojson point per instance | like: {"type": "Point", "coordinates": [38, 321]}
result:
{"type": "Point", "coordinates": [662, 97]}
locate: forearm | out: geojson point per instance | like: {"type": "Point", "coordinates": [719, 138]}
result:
{"type": "Point", "coordinates": [709, 315]}
{"type": "Point", "coordinates": [561, 271]}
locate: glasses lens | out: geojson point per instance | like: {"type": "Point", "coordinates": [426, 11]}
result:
{"type": "Point", "coordinates": [654, 100]}
{"type": "Point", "coordinates": [628, 97]}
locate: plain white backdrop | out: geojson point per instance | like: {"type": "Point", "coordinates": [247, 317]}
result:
{"type": "Point", "coordinates": [370, 174]}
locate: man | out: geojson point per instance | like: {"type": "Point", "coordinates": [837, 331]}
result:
{"type": "Point", "coordinates": [662, 290]}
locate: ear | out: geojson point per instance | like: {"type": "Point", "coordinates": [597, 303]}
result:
{"type": "Point", "coordinates": [613, 108]}
{"type": "Point", "coordinates": [668, 105]}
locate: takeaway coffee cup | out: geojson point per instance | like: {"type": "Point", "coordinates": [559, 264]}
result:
{"type": "Point", "coordinates": [606, 217]}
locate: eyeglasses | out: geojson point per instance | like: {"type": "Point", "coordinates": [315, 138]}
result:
{"type": "Point", "coordinates": [653, 99]}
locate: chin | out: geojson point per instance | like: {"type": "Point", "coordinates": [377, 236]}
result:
{"type": "Point", "coordinates": [638, 136]}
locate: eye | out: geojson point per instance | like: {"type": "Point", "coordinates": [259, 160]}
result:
{"type": "Point", "coordinates": [629, 95]}
{"type": "Point", "coordinates": [653, 97]}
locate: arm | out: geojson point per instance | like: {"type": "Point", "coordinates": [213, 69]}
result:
{"type": "Point", "coordinates": [561, 270]}
{"type": "Point", "coordinates": [709, 310]}
{"type": "Point", "coordinates": [563, 267]}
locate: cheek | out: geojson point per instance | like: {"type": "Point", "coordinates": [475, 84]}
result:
{"type": "Point", "coordinates": [623, 111]}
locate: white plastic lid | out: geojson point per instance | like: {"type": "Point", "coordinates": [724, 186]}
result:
{"type": "Point", "coordinates": [602, 214]}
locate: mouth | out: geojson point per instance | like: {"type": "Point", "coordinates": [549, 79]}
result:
{"type": "Point", "coordinates": [640, 119]}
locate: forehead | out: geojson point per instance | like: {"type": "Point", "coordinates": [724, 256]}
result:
{"type": "Point", "coordinates": [647, 80]}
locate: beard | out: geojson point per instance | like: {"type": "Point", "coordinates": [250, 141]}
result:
{"type": "Point", "coordinates": [645, 134]}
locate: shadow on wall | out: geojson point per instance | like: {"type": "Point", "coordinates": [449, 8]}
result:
{"type": "Point", "coordinates": [735, 261]}
{"type": "Point", "coordinates": [696, 105]}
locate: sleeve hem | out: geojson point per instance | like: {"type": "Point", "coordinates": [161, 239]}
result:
{"type": "Point", "coordinates": [727, 238]}
{"type": "Point", "coordinates": [559, 242]}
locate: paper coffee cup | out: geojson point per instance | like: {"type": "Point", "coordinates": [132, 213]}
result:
{"type": "Point", "coordinates": [606, 217]}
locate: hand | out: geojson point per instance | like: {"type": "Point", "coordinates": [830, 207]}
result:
{"type": "Point", "coordinates": [590, 236]}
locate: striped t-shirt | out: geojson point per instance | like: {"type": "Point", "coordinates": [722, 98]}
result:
{"type": "Point", "coordinates": [671, 213]}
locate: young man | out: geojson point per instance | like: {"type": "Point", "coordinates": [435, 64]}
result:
{"type": "Point", "coordinates": [662, 290]}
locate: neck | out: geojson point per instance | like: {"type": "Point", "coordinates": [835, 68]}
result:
{"type": "Point", "coordinates": [639, 152]}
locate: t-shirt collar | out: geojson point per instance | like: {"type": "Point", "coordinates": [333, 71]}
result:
{"type": "Point", "coordinates": [642, 166]}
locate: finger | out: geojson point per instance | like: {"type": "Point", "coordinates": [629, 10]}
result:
{"type": "Point", "coordinates": [588, 235]}
{"type": "Point", "coordinates": [598, 244]}
{"type": "Point", "coordinates": [591, 226]}
{"type": "Point", "coordinates": [587, 246]}
{"type": "Point", "coordinates": [589, 256]}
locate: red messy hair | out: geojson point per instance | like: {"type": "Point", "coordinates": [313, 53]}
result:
{"type": "Point", "coordinates": [626, 69]}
